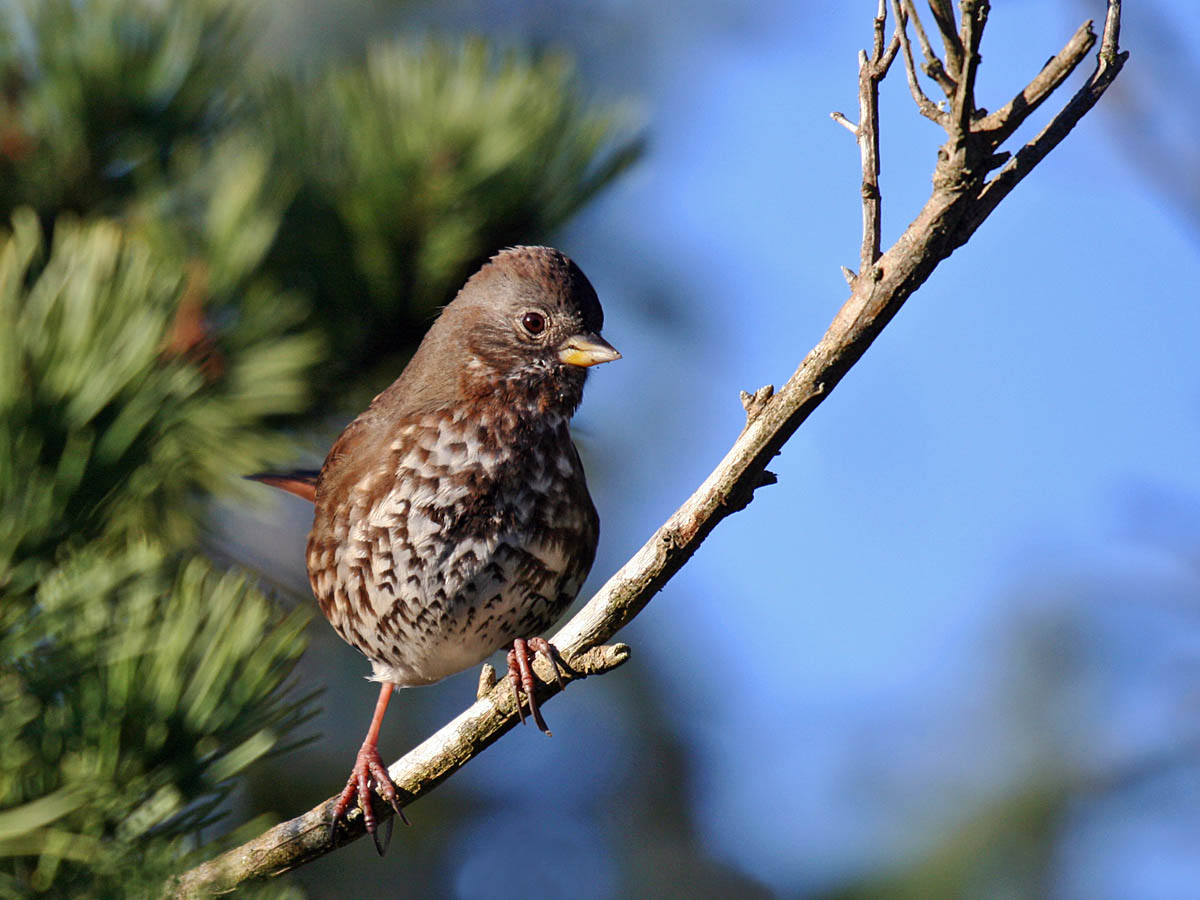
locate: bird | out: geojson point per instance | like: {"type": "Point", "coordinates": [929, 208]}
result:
{"type": "Point", "coordinates": [452, 517]}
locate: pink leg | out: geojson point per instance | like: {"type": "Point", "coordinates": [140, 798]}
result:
{"type": "Point", "coordinates": [367, 767]}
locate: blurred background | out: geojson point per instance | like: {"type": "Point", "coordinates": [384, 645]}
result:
{"type": "Point", "coordinates": [955, 652]}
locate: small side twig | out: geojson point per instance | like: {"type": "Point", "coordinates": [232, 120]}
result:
{"type": "Point", "coordinates": [1004, 121]}
{"type": "Point", "coordinates": [926, 106]}
{"type": "Point", "coordinates": [841, 119]}
{"type": "Point", "coordinates": [755, 403]}
{"type": "Point", "coordinates": [1109, 61]}
{"type": "Point", "coordinates": [487, 681]}
{"type": "Point", "coordinates": [933, 64]}
{"type": "Point", "coordinates": [974, 17]}
{"type": "Point", "coordinates": [943, 15]}
{"type": "Point", "coordinates": [871, 71]}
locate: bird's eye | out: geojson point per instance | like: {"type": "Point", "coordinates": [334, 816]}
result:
{"type": "Point", "coordinates": [534, 323]}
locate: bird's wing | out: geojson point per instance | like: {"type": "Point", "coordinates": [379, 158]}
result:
{"type": "Point", "coordinates": [302, 482]}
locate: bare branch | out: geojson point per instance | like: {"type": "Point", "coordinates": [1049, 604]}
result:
{"type": "Point", "coordinates": [959, 203]}
{"type": "Point", "coordinates": [889, 56]}
{"type": "Point", "coordinates": [868, 148]}
{"type": "Point", "coordinates": [1109, 47]}
{"type": "Point", "coordinates": [943, 15]}
{"type": "Point", "coordinates": [926, 106]}
{"type": "Point", "coordinates": [881, 58]}
{"type": "Point", "coordinates": [841, 119]}
{"type": "Point", "coordinates": [880, 27]}
{"type": "Point", "coordinates": [974, 17]}
{"type": "Point", "coordinates": [933, 64]}
{"type": "Point", "coordinates": [870, 73]}
{"type": "Point", "coordinates": [1109, 61]}
{"type": "Point", "coordinates": [1004, 121]}
{"type": "Point", "coordinates": [306, 837]}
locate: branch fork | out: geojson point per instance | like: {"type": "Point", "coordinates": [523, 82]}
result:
{"type": "Point", "coordinates": [972, 150]}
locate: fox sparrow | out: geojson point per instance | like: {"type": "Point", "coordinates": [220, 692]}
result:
{"type": "Point", "coordinates": [452, 517]}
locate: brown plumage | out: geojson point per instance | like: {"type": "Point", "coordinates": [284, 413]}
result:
{"type": "Point", "coordinates": [452, 517]}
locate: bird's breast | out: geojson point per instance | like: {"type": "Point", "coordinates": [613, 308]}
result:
{"type": "Point", "coordinates": [473, 531]}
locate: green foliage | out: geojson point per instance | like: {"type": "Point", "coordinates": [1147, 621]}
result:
{"type": "Point", "coordinates": [136, 682]}
{"type": "Point", "coordinates": [395, 176]}
{"type": "Point", "coordinates": [114, 418]}
{"type": "Point", "coordinates": [190, 236]}
{"type": "Point", "coordinates": [416, 167]}
{"type": "Point", "coordinates": [134, 698]}
{"type": "Point", "coordinates": [100, 93]}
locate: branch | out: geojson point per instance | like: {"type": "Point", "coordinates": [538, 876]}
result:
{"type": "Point", "coordinates": [926, 106]}
{"type": "Point", "coordinates": [1109, 62]}
{"type": "Point", "coordinates": [933, 65]}
{"type": "Point", "coordinates": [1004, 121]}
{"type": "Point", "coordinates": [961, 200]}
{"type": "Point", "coordinates": [871, 71]}
{"type": "Point", "coordinates": [943, 15]}
{"type": "Point", "coordinates": [974, 17]}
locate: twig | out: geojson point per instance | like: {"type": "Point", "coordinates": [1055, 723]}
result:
{"type": "Point", "coordinates": [880, 28]}
{"type": "Point", "coordinates": [871, 71]}
{"type": "Point", "coordinates": [933, 65]}
{"type": "Point", "coordinates": [1004, 121]}
{"type": "Point", "coordinates": [961, 200]}
{"type": "Point", "coordinates": [841, 119]}
{"type": "Point", "coordinates": [943, 15]}
{"type": "Point", "coordinates": [926, 106]}
{"type": "Point", "coordinates": [1110, 53]}
{"type": "Point", "coordinates": [868, 148]}
{"type": "Point", "coordinates": [1109, 61]}
{"type": "Point", "coordinates": [974, 17]}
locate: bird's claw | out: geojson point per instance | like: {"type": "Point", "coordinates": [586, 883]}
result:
{"type": "Point", "coordinates": [368, 768]}
{"type": "Point", "coordinates": [521, 671]}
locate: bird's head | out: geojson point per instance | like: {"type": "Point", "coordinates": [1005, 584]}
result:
{"type": "Point", "coordinates": [525, 326]}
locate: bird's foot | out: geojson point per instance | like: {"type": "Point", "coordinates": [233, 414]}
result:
{"type": "Point", "coordinates": [368, 768]}
{"type": "Point", "coordinates": [521, 671]}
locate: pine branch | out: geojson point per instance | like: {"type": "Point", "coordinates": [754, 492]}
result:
{"type": "Point", "coordinates": [961, 200]}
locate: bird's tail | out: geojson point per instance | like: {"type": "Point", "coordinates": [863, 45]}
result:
{"type": "Point", "coordinates": [302, 482]}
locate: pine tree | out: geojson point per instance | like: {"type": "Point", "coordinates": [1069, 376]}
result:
{"type": "Point", "coordinates": [189, 238]}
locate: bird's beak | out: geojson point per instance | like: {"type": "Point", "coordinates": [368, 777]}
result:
{"type": "Point", "coordinates": [587, 350]}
